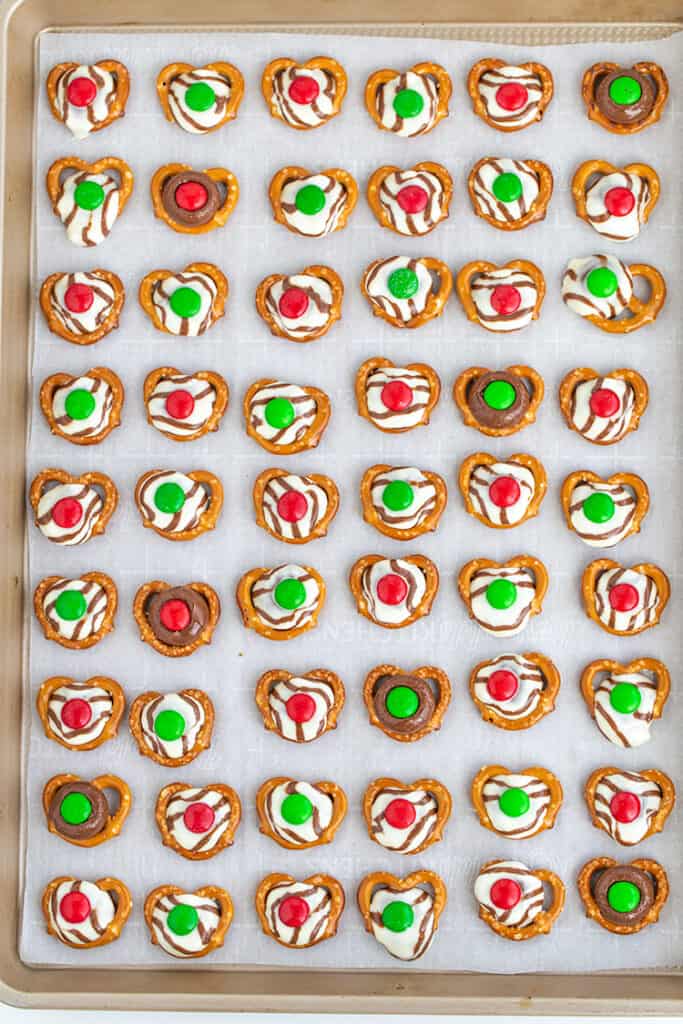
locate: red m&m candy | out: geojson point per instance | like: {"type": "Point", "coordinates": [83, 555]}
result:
{"type": "Point", "coordinates": [397, 395]}
{"type": "Point", "coordinates": [199, 817]}
{"type": "Point", "coordinates": [293, 303]}
{"type": "Point", "coordinates": [81, 91]}
{"type": "Point", "coordinates": [392, 589]}
{"type": "Point", "coordinates": [67, 512]}
{"type": "Point", "coordinates": [502, 684]}
{"type": "Point", "coordinates": [191, 195]}
{"type": "Point", "coordinates": [624, 806]}
{"type": "Point", "coordinates": [412, 198]}
{"type": "Point", "coordinates": [179, 404]}
{"type": "Point", "coordinates": [619, 201]}
{"type": "Point", "coordinates": [504, 491]}
{"type": "Point", "coordinates": [623, 597]}
{"type": "Point", "coordinates": [293, 911]}
{"type": "Point", "coordinates": [76, 713]}
{"type": "Point", "coordinates": [175, 615]}
{"type": "Point", "coordinates": [506, 299]}
{"type": "Point", "coordinates": [78, 298]}
{"type": "Point", "coordinates": [511, 96]}
{"type": "Point", "coordinates": [300, 707]}
{"type": "Point", "coordinates": [604, 402]}
{"type": "Point", "coordinates": [400, 813]}
{"type": "Point", "coordinates": [304, 89]}
{"type": "Point", "coordinates": [74, 907]}
{"type": "Point", "coordinates": [505, 893]}
{"type": "Point", "coordinates": [292, 506]}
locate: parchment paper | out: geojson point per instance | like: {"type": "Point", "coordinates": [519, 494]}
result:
{"type": "Point", "coordinates": [241, 347]}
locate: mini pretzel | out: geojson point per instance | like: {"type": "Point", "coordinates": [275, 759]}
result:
{"type": "Point", "coordinates": [215, 902]}
{"type": "Point", "coordinates": [643, 114]}
{"type": "Point", "coordinates": [183, 215]}
{"type": "Point", "coordinates": [385, 518]}
{"type": "Point", "coordinates": [203, 731]}
{"type": "Point", "coordinates": [541, 775]}
{"type": "Point", "coordinates": [213, 610]}
{"type": "Point", "coordinates": [387, 306]}
{"type": "Point", "coordinates": [339, 213]}
{"type": "Point", "coordinates": [222, 795]}
{"type": "Point", "coordinates": [540, 690]}
{"type": "Point", "coordinates": [535, 922]}
{"type": "Point", "coordinates": [56, 381]}
{"type": "Point", "coordinates": [398, 568]}
{"type": "Point", "coordinates": [193, 429]}
{"type": "Point", "coordinates": [429, 71]}
{"type": "Point", "coordinates": [601, 811]}
{"type": "Point", "coordinates": [467, 279]}
{"type": "Point", "coordinates": [609, 715]}
{"type": "Point", "coordinates": [640, 504]}
{"type": "Point", "coordinates": [469, 396]}
{"type": "Point", "coordinates": [291, 324]}
{"type": "Point", "coordinates": [320, 685]}
{"type": "Point", "coordinates": [420, 414]}
{"type": "Point", "coordinates": [476, 565]}
{"type": "Point", "coordinates": [320, 921]}
{"type": "Point", "coordinates": [636, 870]}
{"type": "Point", "coordinates": [589, 173]}
{"type": "Point", "coordinates": [220, 69]}
{"type": "Point", "coordinates": [148, 289]}
{"type": "Point", "coordinates": [66, 728]}
{"type": "Point", "coordinates": [115, 101]}
{"type": "Point", "coordinates": [102, 581]}
{"type": "Point", "coordinates": [538, 76]}
{"type": "Point", "coordinates": [640, 312]}
{"type": "Point", "coordinates": [428, 915]}
{"type": "Point", "coordinates": [309, 438]}
{"type": "Point", "coordinates": [286, 836]}
{"type": "Point", "coordinates": [74, 932]}
{"type": "Point", "coordinates": [207, 482]}
{"type": "Point", "coordinates": [650, 614]}
{"type": "Point", "coordinates": [90, 233]}
{"type": "Point", "coordinates": [252, 619]}
{"type": "Point", "coordinates": [475, 503]}
{"type": "Point", "coordinates": [432, 688]}
{"type": "Point", "coordinates": [417, 830]}
{"type": "Point", "coordinates": [632, 378]}
{"type": "Point", "coordinates": [410, 210]}
{"type": "Point", "coordinates": [90, 483]}
{"type": "Point", "coordinates": [58, 321]}
{"type": "Point", "coordinates": [276, 509]}
{"type": "Point", "coordinates": [510, 214]}
{"type": "Point", "coordinates": [311, 106]}
{"type": "Point", "coordinates": [112, 822]}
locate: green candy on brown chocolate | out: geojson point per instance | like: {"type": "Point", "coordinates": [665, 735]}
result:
{"type": "Point", "coordinates": [79, 810]}
{"type": "Point", "coordinates": [612, 94]}
{"type": "Point", "coordinates": [626, 878]}
{"type": "Point", "coordinates": [498, 399]}
{"type": "Point", "coordinates": [407, 721]}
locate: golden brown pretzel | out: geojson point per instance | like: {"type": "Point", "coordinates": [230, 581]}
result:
{"type": "Point", "coordinates": [651, 666]}
{"type": "Point", "coordinates": [436, 789]}
{"type": "Point", "coordinates": [293, 173]}
{"type": "Point", "coordinates": [115, 820]}
{"type": "Point", "coordinates": [106, 163]}
{"type": "Point", "coordinates": [536, 211]}
{"type": "Point", "coordinates": [251, 617]}
{"type": "Point", "coordinates": [599, 864]}
{"type": "Point", "coordinates": [109, 323]}
{"type": "Point", "coordinates": [202, 742]}
{"type": "Point", "coordinates": [324, 273]}
{"type": "Point", "coordinates": [224, 840]}
{"type": "Point", "coordinates": [441, 684]}
{"type": "Point", "coordinates": [463, 285]}
{"type": "Point", "coordinates": [208, 519]}
{"type": "Point", "coordinates": [150, 281]}
{"type": "Point", "coordinates": [464, 382]}
{"type": "Point", "coordinates": [546, 698]}
{"type": "Point", "coordinates": [436, 300]}
{"type": "Point", "coordinates": [121, 899]}
{"type": "Point", "coordinates": [325, 64]}
{"type": "Point", "coordinates": [378, 363]}
{"type": "Point", "coordinates": [147, 634]}
{"type": "Point", "coordinates": [371, 516]}
{"type": "Point", "coordinates": [117, 108]}
{"type": "Point", "coordinates": [379, 78]}
{"type": "Point", "coordinates": [330, 789]}
{"type": "Point", "coordinates": [221, 175]}
{"type": "Point", "coordinates": [591, 575]}
{"type": "Point", "coordinates": [108, 586]}
{"type": "Point", "coordinates": [222, 68]}
{"type": "Point", "coordinates": [417, 879]}
{"type": "Point", "coordinates": [110, 728]}
{"type": "Point", "coordinates": [630, 480]}
{"type": "Point", "coordinates": [320, 480]}
{"type": "Point", "coordinates": [378, 177]}
{"type": "Point", "coordinates": [654, 775]}
{"type": "Point", "coordinates": [602, 68]}
{"type": "Point", "coordinates": [536, 772]}
{"type": "Point", "coordinates": [337, 901]}
{"type": "Point", "coordinates": [637, 384]}
{"type": "Point", "coordinates": [471, 568]}
{"type": "Point", "coordinates": [539, 71]}
{"type": "Point", "coordinates": [215, 380]}
{"type": "Point", "coordinates": [97, 480]}
{"type": "Point", "coordinates": [535, 467]}
{"type": "Point", "coordinates": [309, 439]}
{"type": "Point", "coordinates": [267, 681]}
{"type": "Point", "coordinates": [544, 920]}
{"type": "Point", "coordinates": [421, 562]}
{"type": "Point", "coordinates": [211, 892]}
{"type": "Point", "coordinates": [60, 380]}
{"type": "Point", "coordinates": [590, 168]}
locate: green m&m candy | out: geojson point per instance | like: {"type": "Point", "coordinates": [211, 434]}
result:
{"type": "Point", "coordinates": [75, 808]}
{"type": "Point", "coordinates": [398, 495]}
{"type": "Point", "coordinates": [507, 187]}
{"type": "Point", "coordinates": [169, 497]}
{"type": "Point", "coordinates": [402, 702]}
{"type": "Point", "coordinates": [625, 698]}
{"type": "Point", "coordinates": [624, 897]}
{"type": "Point", "coordinates": [289, 594]}
{"type": "Point", "coordinates": [514, 802]}
{"type": "Point", "coordinates": [501, 594]}
{"type": "Point", "coordinates": [200, 97]}
{"type": "Point", "coordinates": [169, 725]}
{"type": "Point", "coordinates": [398, 916]}
{"type": "Point", "coordinates": [402, 283]}
{"type": "Point", "coordinates": [279, 413]}
{"type": "Point", "coordinates": [182, 919]}
{"type": "Point", "coordinates": [185, 302]}
{"type": "Point", "coordinates": [88, 195]}
{"type": "Point", "coordinates": [79, 404]}
{"type": "Point", "coordinates": [499, 394]}
{"type": "Point", "coordinates": [602, 282]}
{"type": "Point", "coordinates": [408, 103]}
{"type": "Point", "coordinates": [296, 809]}
{"type": "Point", "coordinates": [71, 605]}
{"type": "Point", "coordinates": [598, 507]}
{"type": "Point", "coordinates": [625, 91]}
{"type": "Point", "coordinates": [310, 200]}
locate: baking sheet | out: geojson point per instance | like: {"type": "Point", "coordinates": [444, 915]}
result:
{"type": "Point", "coordinates": [241, 347]}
